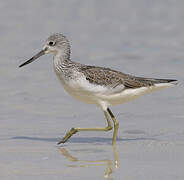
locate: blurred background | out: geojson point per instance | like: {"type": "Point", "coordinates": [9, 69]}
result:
{"type": "Point", "coordinates": [143, 38]}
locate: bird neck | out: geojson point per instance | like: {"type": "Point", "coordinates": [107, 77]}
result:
{"type": "Point", "coordinates": [63, 55]}
{"type": "Point", "coordinates": [62, 58]}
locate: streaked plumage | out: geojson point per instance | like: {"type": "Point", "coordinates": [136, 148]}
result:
{"type": "Point", "coordinates": [96, 85]}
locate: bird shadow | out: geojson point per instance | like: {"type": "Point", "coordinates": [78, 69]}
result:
{"type": "Point", "coordinates": [82, 139]}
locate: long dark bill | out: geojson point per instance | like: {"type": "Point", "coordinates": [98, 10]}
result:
{"type": "Point", "coordinates": [41, 53]}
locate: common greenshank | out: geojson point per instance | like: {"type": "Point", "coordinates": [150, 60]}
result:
{"type": "Point", "coordinates": [96, 85]}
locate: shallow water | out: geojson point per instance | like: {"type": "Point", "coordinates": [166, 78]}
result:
{"type": "Point", "coordinates": [137, 37]}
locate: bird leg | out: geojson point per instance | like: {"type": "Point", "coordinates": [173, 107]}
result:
{"type": "Point", "coordinates": [75, 130]}
{"type": "Point", "coordinates": [116, 126]}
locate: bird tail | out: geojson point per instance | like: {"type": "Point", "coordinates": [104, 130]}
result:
{"type": "Point", "coordinates": [171, 81]}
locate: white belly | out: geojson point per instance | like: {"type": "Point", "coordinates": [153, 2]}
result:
{"type": "Point", "coordinates": [104, 96]}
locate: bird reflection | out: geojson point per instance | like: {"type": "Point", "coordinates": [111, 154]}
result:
{"type": "Point", "coordinates": [88, 163]}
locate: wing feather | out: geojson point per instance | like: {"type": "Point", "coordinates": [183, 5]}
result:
{"type": "Point", "coordinates": [113, 79]}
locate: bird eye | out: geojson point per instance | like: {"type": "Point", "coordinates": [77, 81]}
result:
{"type": "Point", "coordinates": [51, 43]}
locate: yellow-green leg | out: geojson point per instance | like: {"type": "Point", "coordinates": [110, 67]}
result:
{"type": "Point", "coordinates": [75, 130]}
{"type": "Point", "coordinates": [116, 126]}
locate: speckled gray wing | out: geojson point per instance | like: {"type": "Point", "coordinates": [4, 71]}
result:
{"type": "Point", "coordinates": [112, 78]}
